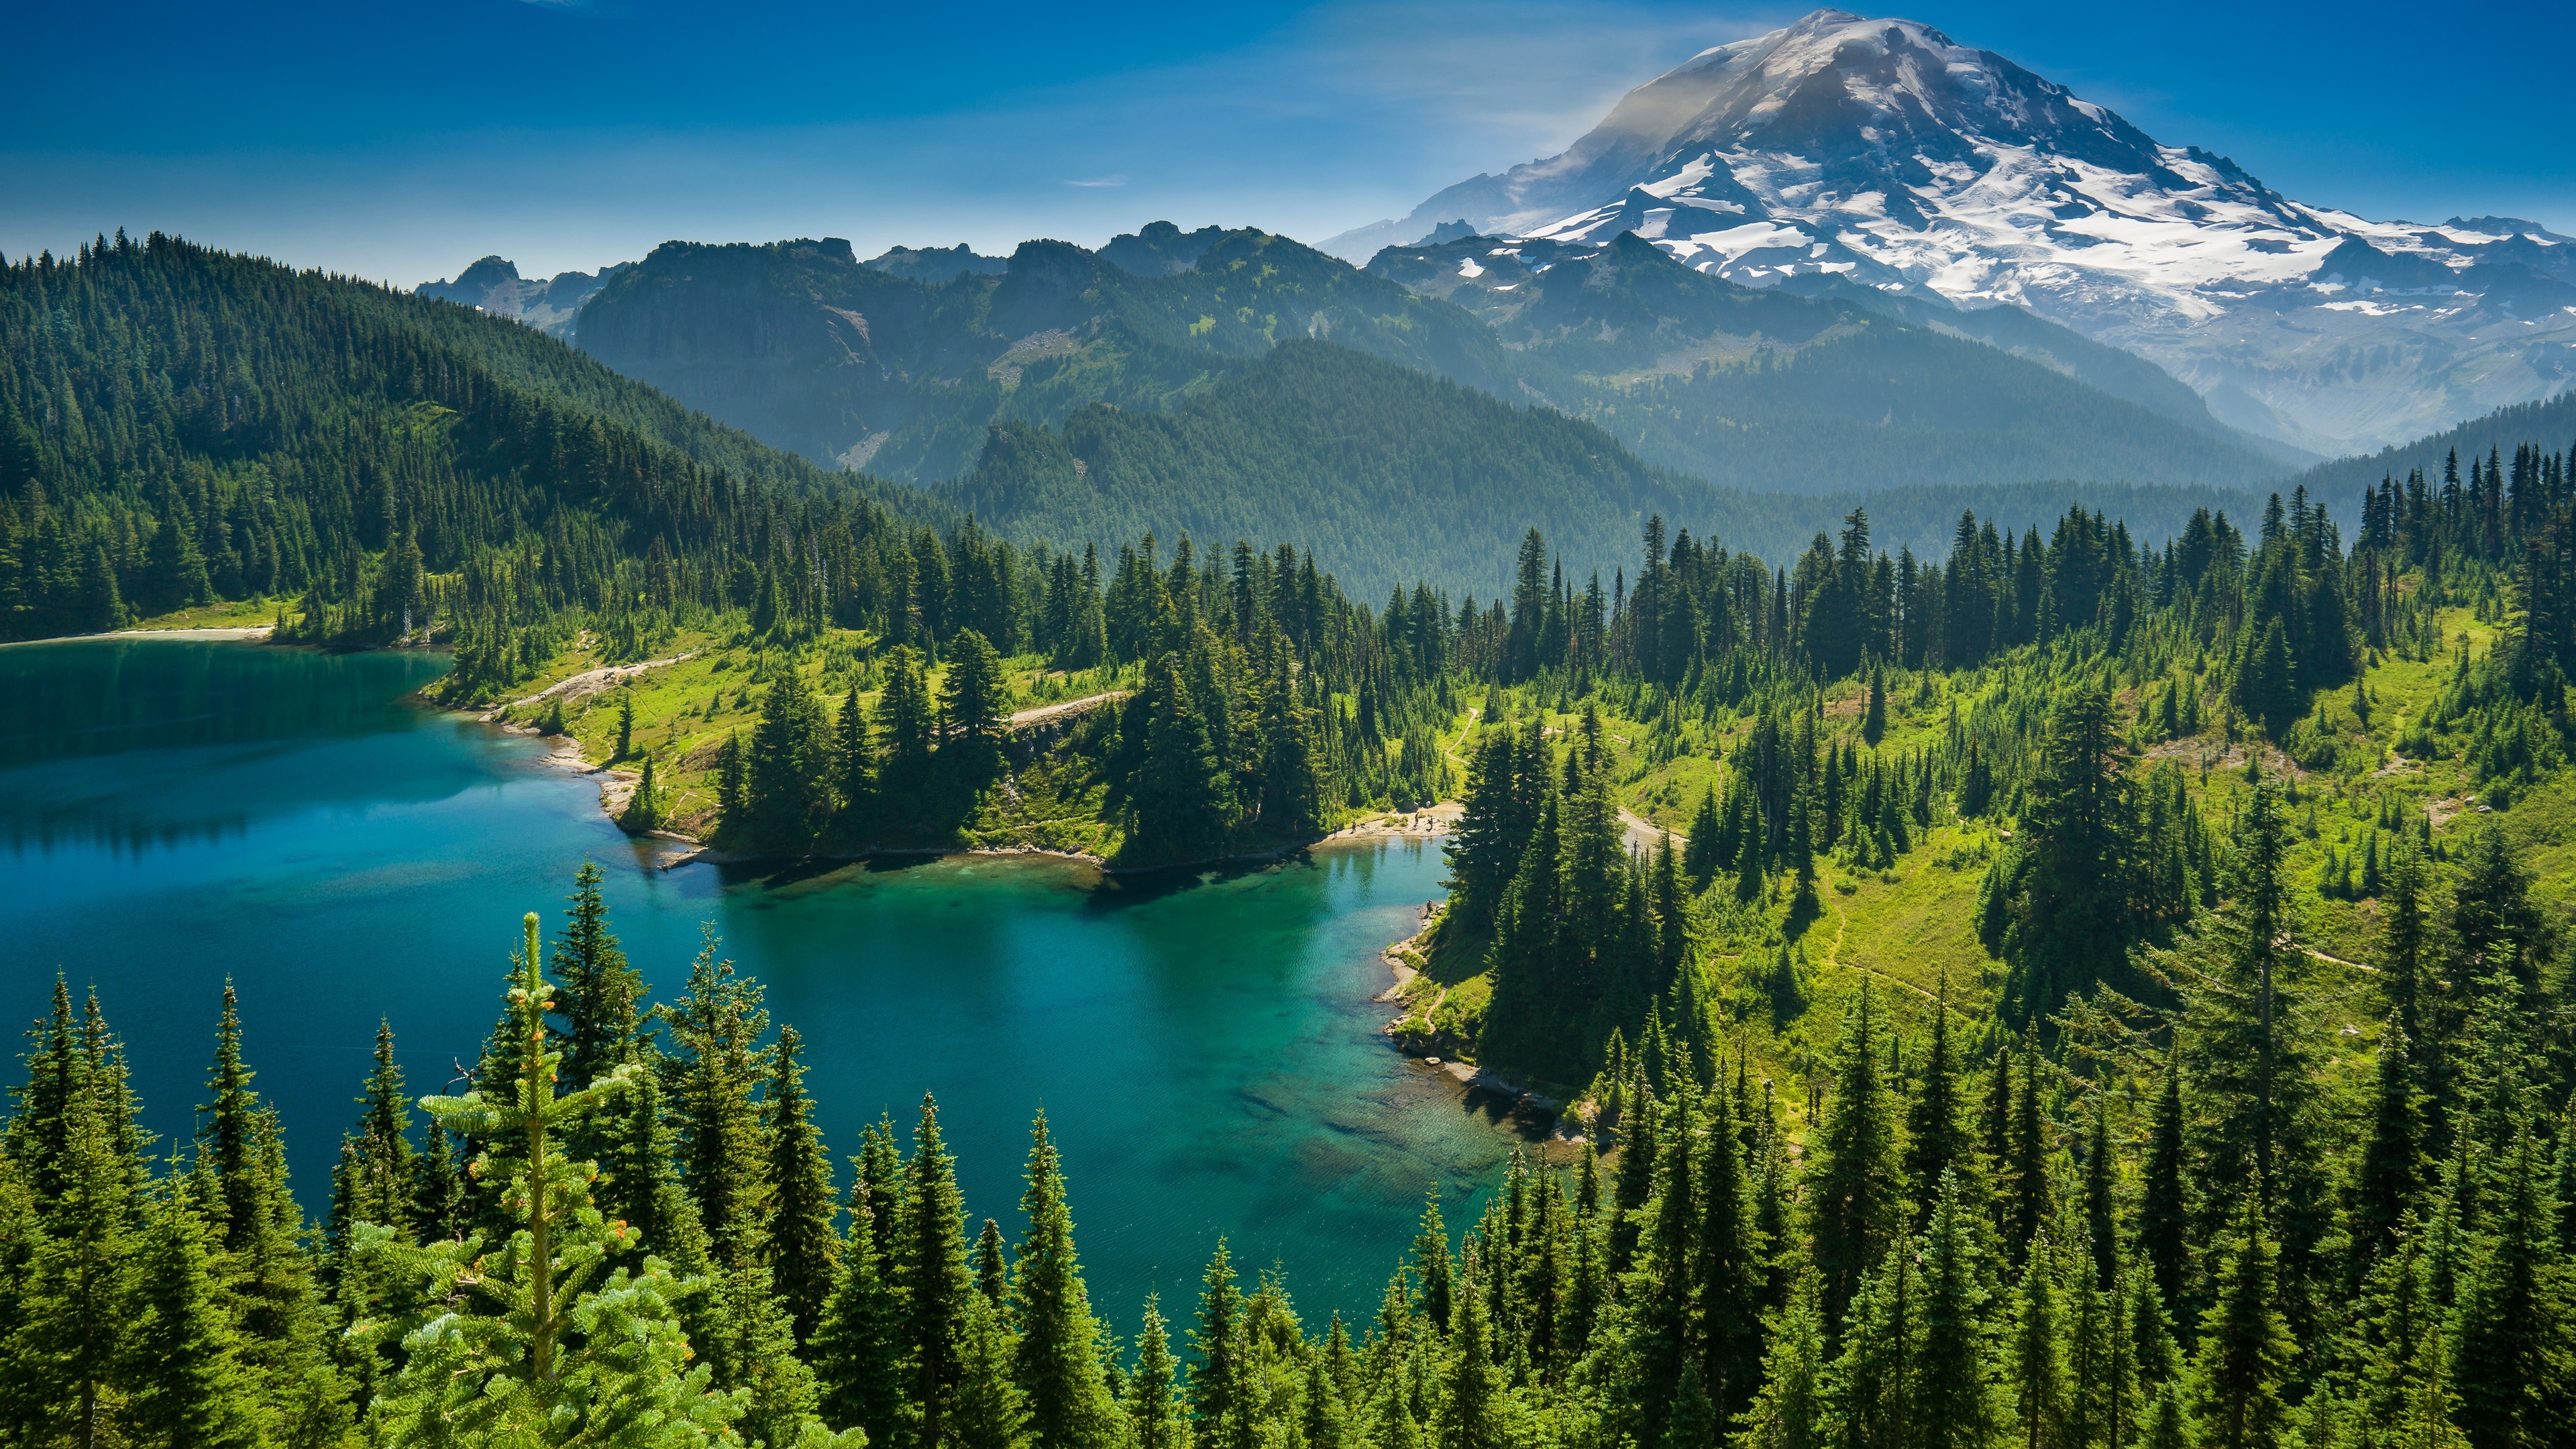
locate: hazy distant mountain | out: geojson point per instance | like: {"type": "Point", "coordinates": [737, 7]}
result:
{"type": "Point", "coordinates": [1885, 154]}
{"type": "Point", "coordinates": [1158, 249]}
{"type": "Point", "coordinates": [552, 306]}
{"type": "Point", "coordinates": [933, 265]}
{"type": "Point", "coordinates": [1763, 389]}
{"type": "Point", "coordinates": [1388, 474]}
{"type": "Point", "coordinates": [899, 372]}
{"type": "Point", "coordinates": [1394, 477]}
{"type": "Point", "coordinates": [805, 347]}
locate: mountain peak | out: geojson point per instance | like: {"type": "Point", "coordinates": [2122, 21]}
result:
{"type": "Point", "coordinates": [1882, 154]}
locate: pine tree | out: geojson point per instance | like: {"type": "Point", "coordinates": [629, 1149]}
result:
{"type": "Point", "coordinates": [643, 808]}
{"type": "Point", "coordinates": [2170, 1425]}
{"type": "Point", "coordinates": [1181, 797]}
{"type": "Point", "coordinates": [1869, 1393]}
{"type": "Point", "coordinates": [904, 723]}
{"type": "Point", "coordinates": [1855, 1185]}
{"type": "Point", "coordinates": [68, 1352]}
{"type": "Point", "coordinates": [708, 1082]}
{"type": "Point", "coordinates": [1058, 1367]}
{"type": "Point", "coordinates": [1955, 1398]}
{"type": "Point", "coordinates": [2101, 1207]}
{"type": "Point", "coordinates": [1431, 1262]}
{"type": "Point", "coordinates": [1324, 1421]}
{"type": "Point", "coordinates": [37, 1135]}
{"type": "Point", "coordinates": [2385, 1183]}
{"type": "Point", "coordinates": [556, 1359]}
{"type": "Point", "coordinates": [2249, 1043]}
{"type": "Point", "coordinates": [932, 1276]}
{"type": "Point", "coordinates": [1936, 1137]}
{"type": "Point", "coordinates": [2041, 1392]}
{"type": "Point", "coordinates": [1471, 1413]}
{"type": "Point", "coordinates": [854, 758]}
{"type": "Point", "coordinates": [438, 1191]}
{"type": "Point", "coordinates": [228, 1141]}
{"type": "Point", "coordinates": [787, 777]}
{"type": "Point", "coordinates": [1220, 1383]}
{"type": "Point", "coordinates": [858, 1350]}
{"type": "Point", "coordinates": [602, 995]}
{"type": "Point", "coordinates": [1157, 1418]}
{"type": "Point", "coordinates": [733, 800]}
{"type": "Point", "coordinates": [992, 1273]}
{"type": "Point", "coordinates": [2164, 1216]}
{"type": "Point", "coordinates": [184, 1369]}
{"type": "Point", "coordinates": [2102, 1360]}
{"type": "Point", "coordinates": [2393, 1364]}
{"type": "Point", "coordinates": [1728, 1266]}
{"type": "Point", "coordinates": [2406, 907]}
{"type": "Point", "coordinates": [240, 1177]}
{"type": "Point", "coordinates": [2511, 1344]}
{"type": "Point", "coordinates": [1700, 854]}
{"type": "Point", "coordinates": [2240, 1378]}
{"type": "Point", "coordinates": [1693, 1422]}
{"type": "Point", "coordinates": [2028, 1193]}
{"type": "Point", "coordinates": [2073, 912]}
{"type": "Point", "coordinates": [383, 1171]}
{"type": "Point", "coordinates": [991, 1412]}
{"type": "Point", "coordinates": [974, 700]}
{"type": "Point", "coordinates": [639, 1182]}
{"type": "Point", "coordinates": [1788, 1413]}
{"type": "Point", "coordinates": [749, 1339]}
{"type": "Point", "coordinates": [803, 1249]}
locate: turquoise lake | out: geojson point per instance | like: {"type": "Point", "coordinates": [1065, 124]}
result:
{"type": "Point", "coordinates": [175, 812]}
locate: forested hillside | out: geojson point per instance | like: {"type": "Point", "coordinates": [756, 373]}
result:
{"type": "Point", "coordinates": [813, 351]}
{"type": "Point", "coordinates": [1769, 391]}
{"type": "Point", "coordinates": [179, 425]}
{"type": "Point", "coordinates": [2510, 435]}
{"type": "Point", "coordinates": [1762, 391]}
{"type": "Point", "coordinates": [1391, 474]}
{"type": "Point", "coordinates": [2107, 998]}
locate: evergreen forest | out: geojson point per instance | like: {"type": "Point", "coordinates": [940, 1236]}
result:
{"type": "Point", "coordinates": [2078, 991]}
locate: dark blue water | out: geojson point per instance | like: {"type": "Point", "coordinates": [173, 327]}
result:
{"type": "Point", "coordinates": [176, 812]}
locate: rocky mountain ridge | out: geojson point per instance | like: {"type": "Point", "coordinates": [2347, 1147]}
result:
{"type": "Point", "coordinates": [1881, 154]}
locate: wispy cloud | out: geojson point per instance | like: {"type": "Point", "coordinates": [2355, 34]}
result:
{"type": "Point", "coordinates": [1119, 180]}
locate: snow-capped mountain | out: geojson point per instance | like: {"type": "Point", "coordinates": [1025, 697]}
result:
{"type": "Point", "coordinates": [1886, 153]}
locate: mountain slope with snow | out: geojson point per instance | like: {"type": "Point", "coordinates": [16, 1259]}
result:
{"type": "Point", "coordinates": [1885, 154]}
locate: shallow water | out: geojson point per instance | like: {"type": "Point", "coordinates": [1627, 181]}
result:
{"type": "Point", "coordinates": [176, 812]}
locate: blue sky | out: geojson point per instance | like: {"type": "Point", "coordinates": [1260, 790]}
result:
{"type": "Point", "coordinates": [401, 140]}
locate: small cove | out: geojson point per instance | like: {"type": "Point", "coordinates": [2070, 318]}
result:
{"type": "Point", "coordinates": [178, 811]}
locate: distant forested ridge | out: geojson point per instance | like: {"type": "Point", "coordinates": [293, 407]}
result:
{"type": "Point", "coordinates": [814, 351]}
{"type": "Point", "coordinates": [2520, 436]}
{"type": "Point", "coordinates": [1387, 472]}
{"type": "Point", "coordinates": [179, 425]}
{"type": "Point", "coordinates": [1762, 391]}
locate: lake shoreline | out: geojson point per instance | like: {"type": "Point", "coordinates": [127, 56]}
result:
{"type": "Point", "coordinates": [245, 634]}
{"type": "Point", "coordinates": [617, 785]}
{"type": "Point", "coordinates": [706, 854]}
{"type": "Point", "coordinates": [346, 834]}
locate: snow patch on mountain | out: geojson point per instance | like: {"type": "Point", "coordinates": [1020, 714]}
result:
{"type": "Point", "coordinates": [1885, 153]}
